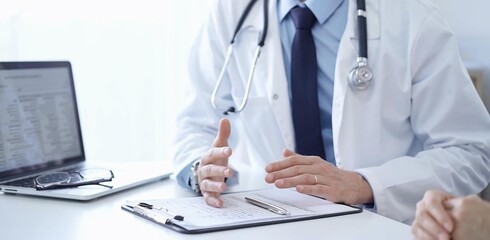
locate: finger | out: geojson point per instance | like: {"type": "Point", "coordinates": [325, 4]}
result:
{"type": "Point", "coordinates": [431, 227]}
{"type": "Point", "coordinates": [216, 155]}
{"type": "Point", "coordinates": [440, 214]}
{"type": "Point", "coordinates": [224, 132]}
{"type": "Point", "coordinates": [212, 199]}
{"type": "Point", "coordinates": [454, 203]}
{"type": "Point", "coordinates": [211, 170]}
{"type": "Point", "coordinates": [318, 190]}
{"type": "Point", "coordinates": [291, 161]}
{"type": "Point", "coordinates": [288, 153]}
{"type": "Point", "coordinates": [305, 179]}
{"type": "Point", "coordinates": [420, 233]}
{"type": "Point", "coordinates": [212, 186]}
{"type": "Point", "coordinates": [290, 172]}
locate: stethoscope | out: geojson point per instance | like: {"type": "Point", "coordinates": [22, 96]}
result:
{"type": "Point", "coordinates": [360, 77]}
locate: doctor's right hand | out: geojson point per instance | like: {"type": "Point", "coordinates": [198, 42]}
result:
{"type": "Point", "coordinates": [213, 168]}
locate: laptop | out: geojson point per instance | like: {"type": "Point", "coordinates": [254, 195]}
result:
{"type": "Point", "coordinates": [40, 133]}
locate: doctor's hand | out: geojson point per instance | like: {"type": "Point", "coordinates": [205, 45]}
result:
{"type": "Point", "coordinates": [315, 176]}
{"type": "Point", "coordinates": [432, 220]}
{"type": "Point", "coordinates": [213, 168]}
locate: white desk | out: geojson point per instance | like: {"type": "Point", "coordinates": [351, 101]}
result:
{"type": "Point", "coordinates": [40, 218]}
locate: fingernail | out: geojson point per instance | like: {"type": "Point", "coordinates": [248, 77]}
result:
{"type": "Point", "coordinates": [226, 151]}
{"type": "Point", "coordinates": [447, 226]}
{"type": "Point", "coordinates": [267, 168]}
{"type": "Point", "coordinates": [227, 172]}
{"type": "Point", "coordinates": [268, 178]}
{"type": "Point", "coordinates": [442, 236]}
{"type": "Point", "coordinates": [300, 188]}
{"type": "Point", "coordinates": [279, 183]}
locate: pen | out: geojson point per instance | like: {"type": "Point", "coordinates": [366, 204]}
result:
{"type": "Point", "coordinates": [269, 206]}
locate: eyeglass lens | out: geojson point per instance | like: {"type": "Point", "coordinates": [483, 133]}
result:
{"type": "Point", "coordinates": [56, 177]}
{"type": "Point", "coordinates": [95, 173]}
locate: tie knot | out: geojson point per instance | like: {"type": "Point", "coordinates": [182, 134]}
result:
{"type": "Point", "coordinates": [303, 18]}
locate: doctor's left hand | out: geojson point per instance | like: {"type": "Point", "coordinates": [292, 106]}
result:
{"type": "Point", "coordinates": [315, 176]}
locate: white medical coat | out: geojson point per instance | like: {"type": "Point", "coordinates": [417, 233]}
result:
{"type": "Point", "coordinates": [420, 126]}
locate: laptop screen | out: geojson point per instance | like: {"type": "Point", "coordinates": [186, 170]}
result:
{"type": "Point", "coordinates": [39, 124]}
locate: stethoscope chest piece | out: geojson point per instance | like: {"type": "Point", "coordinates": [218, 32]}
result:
{"type": "Point", "coordinates": [361, 77]}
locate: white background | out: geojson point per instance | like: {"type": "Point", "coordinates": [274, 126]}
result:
{"type": "Point", "coordinates": [469, 20]}
{"type": "Point", "coordinates": [130, 61]}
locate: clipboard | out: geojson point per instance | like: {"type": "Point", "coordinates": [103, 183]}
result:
{"type": "Point", "coordinates": [191, 215]}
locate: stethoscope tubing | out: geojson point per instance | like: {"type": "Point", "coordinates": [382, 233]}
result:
{"type": "Point", "coordinates": [362, 28]}
{"type": "Point", "coordinates": [360, 77]}
{"type": "Point", "coordinates": [229, 53]}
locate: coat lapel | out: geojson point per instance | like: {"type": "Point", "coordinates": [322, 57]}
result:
{"type": "Point", "coordinates": [346, 60]}
{"type": "Point", "coordinates": [277, 84]}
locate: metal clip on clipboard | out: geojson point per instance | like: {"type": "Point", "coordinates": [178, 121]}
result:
{"type": "Point", "coordinates": [161, 215]}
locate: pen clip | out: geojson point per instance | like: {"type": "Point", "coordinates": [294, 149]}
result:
{"type": "Point", "coordinates": [145, 205]}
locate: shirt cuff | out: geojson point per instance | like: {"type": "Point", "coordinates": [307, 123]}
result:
{"type": "Point", "coordinates": [368, 206]}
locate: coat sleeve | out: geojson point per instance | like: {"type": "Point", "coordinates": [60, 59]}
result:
{"type": "Point", "coordinates": [448, 117]}
{"type": "Point", "coordinates": [197, 124]}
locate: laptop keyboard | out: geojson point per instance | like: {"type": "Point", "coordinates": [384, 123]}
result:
{"type": "Point", "coordinates": [30, 182]}
{"type": "Point", "coordinates": [26, 182]}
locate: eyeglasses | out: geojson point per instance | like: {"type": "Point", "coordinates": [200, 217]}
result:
{"type": "Point", "coordinates": [70, 179]}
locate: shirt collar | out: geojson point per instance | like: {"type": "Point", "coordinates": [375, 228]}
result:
{"type": "Point", "coordinates": [322, 9]}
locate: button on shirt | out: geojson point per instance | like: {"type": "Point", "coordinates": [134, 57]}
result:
{"type": "Point", "coordinates": [332, 19]}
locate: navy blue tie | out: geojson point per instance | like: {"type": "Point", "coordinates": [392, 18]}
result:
{"type": "Point", "coordinates": [306, 114]}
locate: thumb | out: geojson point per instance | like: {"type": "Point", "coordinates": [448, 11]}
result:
{"type": "Point", "coordinates": [288, 153]}
{"type": "Point", "coordinates": [224, 132]}
{"type": "Point", "coordinates": [450, 204]}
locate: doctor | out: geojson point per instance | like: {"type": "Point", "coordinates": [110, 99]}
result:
{"type": "Point", "coordinates": [410, 122]}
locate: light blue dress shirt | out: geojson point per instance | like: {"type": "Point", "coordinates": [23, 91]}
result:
{"type": "Point", "coordinates": [327, 32]}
